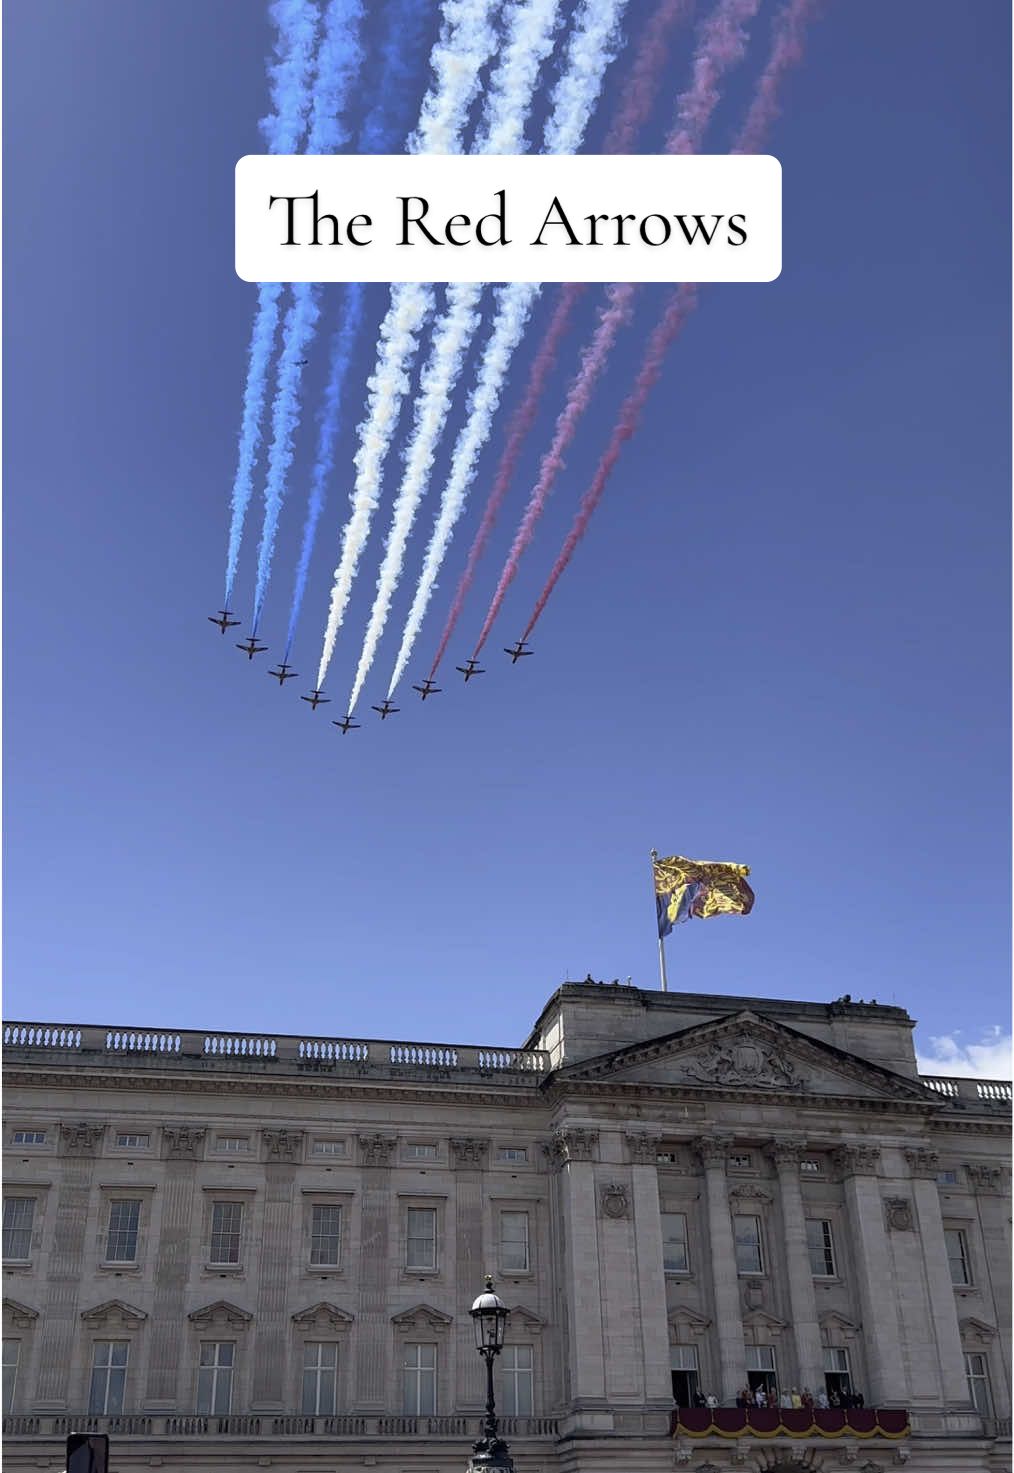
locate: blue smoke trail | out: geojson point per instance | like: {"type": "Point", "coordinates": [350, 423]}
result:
{"type": "Point", "coordinates": [338, 63]}
{"type": "Point", "coordinates": [296, 24]}
{"type": "Point", "coordinates": [385, 126]}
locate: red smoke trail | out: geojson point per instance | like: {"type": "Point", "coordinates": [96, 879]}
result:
{"type": "Point", "coordinates": [642, 89]}
{"type": "Point", "coordinates": [786, 52]}
{"type": "Point", "coordinates": [722, 43]}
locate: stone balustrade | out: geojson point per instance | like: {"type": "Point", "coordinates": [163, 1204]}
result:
{"type": "Point", "coordinates": [187, 1048]}
{"type": "Point", "coordinates": [187, 1425]}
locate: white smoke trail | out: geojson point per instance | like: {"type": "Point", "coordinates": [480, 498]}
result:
{"type": "Point", "coordinates": [592, 48]}
{"type": "Point", "coordinates": [466, 41]}
{"type": "Point", "coordinates": [530, 27]}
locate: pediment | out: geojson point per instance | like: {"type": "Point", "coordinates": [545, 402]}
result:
{"type": "Point", "coordinates": [759, 1319]}
{"type": "Point", "coordinates": [975, 1331]}
{"type": "Point", "coordinates": [221, 1312]}
{"type": "Point", "coordinates": [422, 1317]}
{"type": "Point", "coordinates": [526, 1319]}
{"type": "Point", "coordinates": [114, 1313]}
{"type": "Point", "coordinates": [745, 1051]}
{"type": "Point", "coordinates": [684, 1322]}
{"type": "Point", "coordinates": [20, 1315]}
{"type": "Point", "coordinates": [833, 1324]}
{"type": "Point", "coordinates": [323, 1314]}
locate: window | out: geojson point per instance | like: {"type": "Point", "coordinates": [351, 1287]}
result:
{"type": "Point", "coordinates": [665, 1158]}
{"type": "Point", "coordinates": [12, 1355]}
{"type": "Point", "coordinates": [214, 1378]}
{"type": "Point", "coordinates": [326, 1235]}
{"type": "Point", "coordinates": [517, 1380]}
{"type": "Point", "coordinates": [513, 1153]}
{"type": "Point", "coordinates": [130, 1139]}
{"type": "Point", "coordinates": [109, 1373]}
{"type": "Point", "coordinates": [821, 1246]}
{"type": "Point", "coordinates": [320, 1378]}
{"type": "Point", "coordinates": [761, 1369]}
{"type": "Point", "coordinates": [977, 1371]}
{"type": "Point", "coordinates": [121, 1242]}
{"type": "Point", "coordinates": [421, 1153]}
{"type": "Point", "coordinates": [740, 1163]}
{"type": "Point", "coordinates": [748, 1245]}
{"type": "Point", "coordinates": [421, 1245]}
{"type": "Point", "coordinates": [957, 1255]}
{"type": "Point", "coordinates": [837, 1375]}
{"type": "Point", "coordinates": [232, 1143]}
{"type": "Point", "coordinates": [17, 1227]}
{"type": "Point", "coordinates": [675, 1254]}
{"type": "Point", "coordinates": [419, 1370]}
{"type": "Point", "coordinates": [686, 1375]}
{"type": "Point", "coordinates": [514, 1243]}
{"type": "Point", "coordinates": [329, 1148]}
{"type": "Point", "coordinates": [226, 1222]}
{"type": "Point", "coordinates": [29, 1138]}
{"type": "Point", "coordinates": [811, 1167]}
{"type": "Point", "coordinates": [948, 1178]}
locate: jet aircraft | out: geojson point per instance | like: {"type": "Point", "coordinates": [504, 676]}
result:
{"type": "Point", "coordinates": [470, 668]}
{"type": "Point", "coordinates": [427, 688]}
{"type": "Point", "coordinates": [347, 724]}
{"type": "Point", "coordinates": [223, 621]}
{"type": "Point", "coordinates": [250, 647]}
{"type": "Point", "coordinates": [283, 673]}
{"type": "Point", "coordinates": [385, 708]}
{"type": "Point", "coordinates": [316, 698]}
{"type": "Point", "coordinates": [518, 651]}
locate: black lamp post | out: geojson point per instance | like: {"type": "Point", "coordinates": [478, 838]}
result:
{"type": "Point", "coordinates": [489, 1316]}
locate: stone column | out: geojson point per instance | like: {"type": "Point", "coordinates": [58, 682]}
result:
{"type": "Point", "coordinates": [572, 1151]}
{"type": "Point", "coordinates": [724, 1276]}
{"type": "Point", "coordinates": [874, 1270]}
{"type": "Point", "coordinates": [786, 1156]}
{"type": "Point", "coordinates": [468, 1157]}
{"type": "Point", "coordinates": [376, 1390]}
{"type": "Point", "coordinates": [924, 1165]}
{"type": "Point", "coordinates": [59, 1325]}
{"type": "Point", "coordinates": [181, 1147]}
{"type": "Point", "coordinates": [284, 1149]}
{"type": "Point", "coordinates": [654, 1337]}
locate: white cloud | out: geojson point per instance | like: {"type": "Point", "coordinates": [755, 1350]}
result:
{"type": "Point", "coordinates": [952, 1053]}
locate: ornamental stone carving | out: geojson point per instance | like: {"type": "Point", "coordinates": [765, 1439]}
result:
{"type": "Point", "coordinates": [713, 1149]}
{"type": "Point", "coordinates": [746, 1062]}
{"type": "Point", "coordinates": [643, 1148]}
{"type": "Point", "coordinates": [376, 1150]}
{"type": "Point", "coordinates": [183, 1142]}
{"type": "Point", "coordinates": [114, 1314]}
{"type": "Point", "coordinates": [856, 1160]}
{"type": "Point", "coordinates": [469, 1151]}
{"type": "Point", "coordinates": [82, 1139]}
{"type": "Point", "coordinates": [613, 1200]}
{"type": "Point", "coordinates": [898, 1214]}
{"type": "Point", "coordinates": [785, 1152]}
{"type": "Point", "coordinates": [573, 1143]}
{"type": "Point", "coordinates": [984, 1178]}
{"type": "Point", "coordinates": [283, 1145]}
{"type": "Point", "coordinates": [923, 1162]}
{"type": "Point", "coordinates": [751, 1193]}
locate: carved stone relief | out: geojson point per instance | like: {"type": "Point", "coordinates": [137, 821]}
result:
{"type": "Point", "coordinates": [376, 1150]}
{"type": "Point", "coordinates": [898, 1214]}
{"type": "Point", "coordinates": [183, 1142]}
{"type": "Point", "coordinates": [856, 1159]}
{"type": "Point", "coordinates": [755, 1064]}
{"type": "Point", "coordinates": [82, 1139]}
{"type": "Point", "coordinates": [469, 1151]}
{"type": "Point", "coordinates": [613, 1200]}
{"type": "Point", "coordinates": [283, 1145]}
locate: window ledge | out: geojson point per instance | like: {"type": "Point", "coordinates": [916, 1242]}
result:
{"type": "Point", "coordinates": [679, 1273]}
{"type": "Point", "coordinates": [214, 1269]}
{"type": "Point", "coordinates": [110, 1266]}
{"type": "Point", "coordinates": [420, 1273]}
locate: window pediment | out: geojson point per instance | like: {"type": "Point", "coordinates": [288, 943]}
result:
{"type": "Point", "coordinates": [836, 1326]}
{"type": "Point", "coordinates": [421, 1317]}
{"type": "Point", "coordinates": [759, 1322]}
{"type": "Point", "coordinates": [975, 1331]}
{"type": "Point", "coordinates": [525, 1320]}
{"type": "Point", "coordinates": [220, 1313]}
{"type": "Point", "coordinates": [22, 1316]}
{"type": "Point", "coordinates": [685, 1322]}
{"type": "Point", "coordinates": [115, 1313]}
{"type": "Point", "coordinates": [324, 1314]}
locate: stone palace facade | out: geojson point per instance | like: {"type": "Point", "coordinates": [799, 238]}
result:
{"type": "Point", "coordinates": [233, 1251]}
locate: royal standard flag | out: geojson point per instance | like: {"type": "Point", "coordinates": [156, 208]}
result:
{"type": "Point", "coordinates": [688, 888]}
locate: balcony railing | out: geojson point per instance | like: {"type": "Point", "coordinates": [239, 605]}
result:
{"type": "Point", "coordinates": [461, 1428]}
{"type": "Point", "coordinates": [695, 1422]}
{"type": "Point", "coordinates": [90, 1044]}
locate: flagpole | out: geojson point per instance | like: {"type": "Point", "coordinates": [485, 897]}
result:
{"type": "Point", "coordinates": [661, 939]}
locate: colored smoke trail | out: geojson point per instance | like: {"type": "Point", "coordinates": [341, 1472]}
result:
{"type": "Point", "coordinates": [529, 41]}
{"type": "Point", "coordinates": [338, 62]}
{"type": "Point", "coordinates": [450, 343]}
{"type": "Point", "coordinates": [384, 126]}
{"type": "Point", "coordinates": [466, 40]}
{"type": "Point", "coordinates": [640, 87]}
{"type": "Point", "coordinates": [786, 52]}
{"type": "Point", "coordinates": [722, 41]}
{"type": "Point", "coordinates": [591, 49]}
{"type": "Point", "coordinates": [296, 24]}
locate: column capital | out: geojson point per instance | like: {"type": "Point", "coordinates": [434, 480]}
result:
{"type": "Point", "coordinates": [984, 1178]}
{"type": "Point", "coordinates": [922, 1162]}
{"type": "Point", "coordinates": [376, 1150]}
{"type": "Point", "coordinates": [183, 1142]}
{"type": "Point", "coordinates": [713, 1149]}
{"type": "Point", "coordinates": [572, 1143]}
{"type": "Point", "coordinates": [82, 1139]}
{"type": "Point", "coordinates": [785, 1151]}
{"type": "Point", "coordinates": [856, 1159]}
{"type": "Point", "coordinates": [283, 1145]}
{"type": "Point", "coordinates": [642, 1148]}
{"type": "Point", "coordinates": [469, 1151]}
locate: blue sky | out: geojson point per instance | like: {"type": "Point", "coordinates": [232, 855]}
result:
{"type": "Point", "coordinates": [784, 640]}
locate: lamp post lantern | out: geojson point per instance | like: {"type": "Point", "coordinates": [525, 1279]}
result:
{"type": "Point", "coordinates": [489, 1316]}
